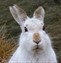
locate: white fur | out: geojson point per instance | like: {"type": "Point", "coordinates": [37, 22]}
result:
{"type": "Point", "coordinates": [27, 52]}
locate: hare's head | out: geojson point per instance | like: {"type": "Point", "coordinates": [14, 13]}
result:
{"type": "Point", "coordinates": [33, 36]}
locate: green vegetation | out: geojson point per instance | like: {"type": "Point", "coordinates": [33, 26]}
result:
{"type": "Point", "coordinates": [10, 29]}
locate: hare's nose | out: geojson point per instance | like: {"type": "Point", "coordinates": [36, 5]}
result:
{"type": "Point", "coordinates": [36, 38]}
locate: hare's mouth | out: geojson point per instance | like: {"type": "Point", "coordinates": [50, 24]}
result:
{"type": "Point", "coordinates": [37, 48]}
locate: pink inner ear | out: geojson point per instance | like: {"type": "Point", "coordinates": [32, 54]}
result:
{"type": "Point", "coordinates": [39, 13]}
{"type": "Point", "coordinates": [18, 14]}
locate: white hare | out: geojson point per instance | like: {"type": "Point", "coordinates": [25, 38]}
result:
{"type": "Point", "coordinates": [34, 44]}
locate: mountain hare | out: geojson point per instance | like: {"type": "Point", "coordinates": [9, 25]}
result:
{"type": "Point", "coordinates": [34, 43]}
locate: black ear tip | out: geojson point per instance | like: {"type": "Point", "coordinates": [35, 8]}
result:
{"type": "Point", "coordinates": [11, 4]}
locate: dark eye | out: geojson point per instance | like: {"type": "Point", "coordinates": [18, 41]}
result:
{"type": "Point", "coordinates": [44, 27]}
{"type": "Point", "coordinates": [26, 29]}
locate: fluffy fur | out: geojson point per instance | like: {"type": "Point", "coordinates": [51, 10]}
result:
{"type": "Point", "coordinates": [28, 51]}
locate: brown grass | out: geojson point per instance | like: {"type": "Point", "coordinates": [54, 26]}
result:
{"type": "Point", "coordinates": [6, 49]}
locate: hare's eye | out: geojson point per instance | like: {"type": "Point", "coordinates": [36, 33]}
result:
{"type": "Point", "coordinates": [26, 29]}
{"type": "Point", "coordinates": [43, 27]}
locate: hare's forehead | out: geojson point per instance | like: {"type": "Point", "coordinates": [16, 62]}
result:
{"type": "Point", "coordinates": [33, 22]}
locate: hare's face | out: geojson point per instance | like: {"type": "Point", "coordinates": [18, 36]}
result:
{"type": "Point", "coordinates": [33, 36]}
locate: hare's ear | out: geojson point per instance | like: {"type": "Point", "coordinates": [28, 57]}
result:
{"type": "Point", "coordinates": [19, 14]}
{"type": "Point", "coordinates": [39, 13]}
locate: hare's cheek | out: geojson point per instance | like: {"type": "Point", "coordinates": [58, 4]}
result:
{"type": "Point", "coordinates": [29, 47]}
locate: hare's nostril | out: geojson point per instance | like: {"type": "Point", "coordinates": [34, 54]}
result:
{"type": "Point", "coordinates": [37, 42]}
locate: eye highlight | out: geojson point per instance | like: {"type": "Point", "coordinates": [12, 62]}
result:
{"type": "Point", "coordinates": [25, 29]}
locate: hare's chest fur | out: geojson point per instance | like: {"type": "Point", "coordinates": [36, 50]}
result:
{"type": "Point", "coordinates": [23, 57]}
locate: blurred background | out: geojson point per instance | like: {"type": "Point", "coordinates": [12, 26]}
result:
{"type": "Point", "coordinates": [10, 30]}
